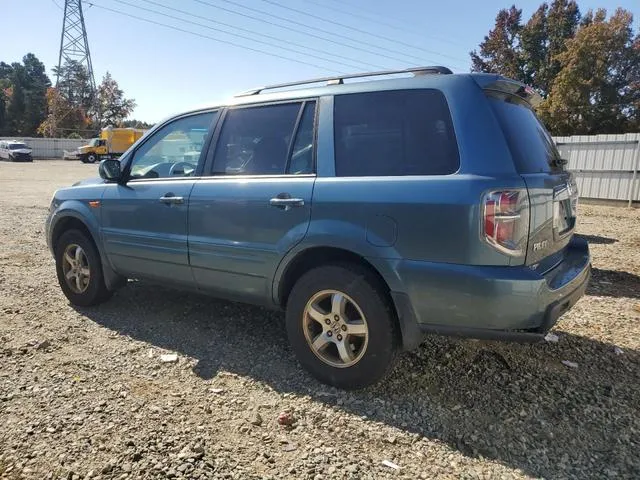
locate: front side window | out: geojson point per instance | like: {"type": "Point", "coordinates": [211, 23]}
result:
{"type": "Point", "coordinates": [174, 150]}
{"type": "Point", "coordinates": [258, 141]}
{"type": "Point", "coordinates": [394, 133]}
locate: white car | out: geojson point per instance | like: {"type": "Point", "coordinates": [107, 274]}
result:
{"type": "Point", "coordinates": [15, 151]}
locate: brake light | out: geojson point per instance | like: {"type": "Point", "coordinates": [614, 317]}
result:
{"type": "Point", "coordinates": [506, 221]}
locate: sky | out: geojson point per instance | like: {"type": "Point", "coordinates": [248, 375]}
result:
{"type": "Point", "coordinates": [217, 48]}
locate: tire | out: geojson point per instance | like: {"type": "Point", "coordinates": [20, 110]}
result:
{"type": "Point", "coordinates": [11, 158]}
{"type": "Point", "coordinates": [91, 158]}
{"type": "Point", "coordinates": [374, 357]}
{"type": "Point", "coordinates": [84, 292]}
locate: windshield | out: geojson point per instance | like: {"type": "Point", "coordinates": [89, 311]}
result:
{"type": "Point", "coordinates": [94, 142]}
{"type": "Point", "coordinates": [17, 146]}
{"type": "Point", "coordinates": [531, 146]}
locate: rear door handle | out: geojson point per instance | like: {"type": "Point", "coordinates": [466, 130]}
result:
{"type": "Point", "coordinates": [171, 199]}
{"type": "Point", "coordinates": [286, 203]}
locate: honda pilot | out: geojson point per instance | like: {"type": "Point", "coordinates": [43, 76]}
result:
{"type": "Point", "coordinates": [372, 208]}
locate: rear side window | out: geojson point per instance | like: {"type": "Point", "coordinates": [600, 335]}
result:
{"type": "Point", "coordinates": [394, 133]}
{"type": "Point", "coordinates": [531, 146]}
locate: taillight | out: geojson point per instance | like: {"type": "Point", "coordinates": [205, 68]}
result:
{"type": "Point", "coordinates": [506, 221]}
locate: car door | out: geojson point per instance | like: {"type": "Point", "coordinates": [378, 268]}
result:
{"type": "Point", "coordinates": [144, 221]}
{"type": "Point", "coordinates": [256, 203]}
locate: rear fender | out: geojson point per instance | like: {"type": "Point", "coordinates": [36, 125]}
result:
{"type": "Point", "coordinates": [339, 235]}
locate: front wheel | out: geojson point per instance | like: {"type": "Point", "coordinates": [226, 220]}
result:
{"type": "Point", "coordinates": [341, 326]}
{"type": "Point", "coordinates": [79, 269]}
{"type": "Point", "coordinates": [91, 158]}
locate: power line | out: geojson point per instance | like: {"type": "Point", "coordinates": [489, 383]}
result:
{"type": "Point", "coordinates": [57, 4]}
{"type": "Point", "coordinates": [229, 33]}
{"type": "Point", "coordinates": [403, 28]}
{"type": "Point", "coordinates": [226, 42]}
{"type": "Point", "coordinates": [338, 35]}
{"type": "Point", "coordinates": [262, 35]}
{"type": "Point", "coordinates": [349, 27]}
{"type": "Point", "coordinates": [302, 32]}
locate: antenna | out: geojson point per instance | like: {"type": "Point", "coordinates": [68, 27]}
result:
{"type": "Point", "coordinates": [73, 41]}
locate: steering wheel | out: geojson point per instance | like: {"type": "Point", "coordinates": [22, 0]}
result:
{"type": "Point", "coordinates": [174, 170]}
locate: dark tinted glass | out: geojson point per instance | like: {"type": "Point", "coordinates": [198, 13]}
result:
{"type": "Point", "coordinates": [255, 141]}
{"type": "Point", "coordinates": [302, 153]}
{"type": "Point", "coordinates": [531, 145]}
{"type": "Point", "coordinates": [400, 132]}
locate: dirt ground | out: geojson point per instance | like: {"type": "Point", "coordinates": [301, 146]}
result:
{"type": "Point", "coordinates": [84, 393]}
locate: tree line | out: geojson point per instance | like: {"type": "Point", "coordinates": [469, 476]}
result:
{"type": "Point", "coordinates": [31, 107]}
{"type": "Point", "coordinates": [586, 67]}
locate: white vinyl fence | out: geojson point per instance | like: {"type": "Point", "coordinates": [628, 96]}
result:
{"type": "Point", "coordinates": [606, 166]}
{"type": "Point", "coordinates": [49, 147]}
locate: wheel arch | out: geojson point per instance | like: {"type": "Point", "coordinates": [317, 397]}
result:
{"type": "Point", "coordinates": [313, 257]}
{"type": "Point", "coordinates": [72, 221]}
{"type": "Point", "coordinates": [317, 256]}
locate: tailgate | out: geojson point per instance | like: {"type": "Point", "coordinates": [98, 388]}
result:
{"type": "Point", "coordinates": [553, 202]}
{"type": "Point", "coordinates": [552, 190]}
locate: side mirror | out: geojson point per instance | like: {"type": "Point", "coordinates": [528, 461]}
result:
{"type": "Point", "coordinates": [109, 169]}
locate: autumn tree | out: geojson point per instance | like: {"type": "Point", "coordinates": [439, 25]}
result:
{"type": "Point", "coordinates": [543, 38]}
{"type": "Point", "coordinates": [111, 105]}
{"type": "Point", "coordinates": [500, 51]}
{"type": "Point", "coordinates": [586, 67]}
{"type": "Point", "coordinates": [598, 87]}
{"type": "Point", "coordinates": [63, 117]}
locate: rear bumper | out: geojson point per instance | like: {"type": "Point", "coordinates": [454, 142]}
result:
{"type": "Point", "coordinates": [503, 303]}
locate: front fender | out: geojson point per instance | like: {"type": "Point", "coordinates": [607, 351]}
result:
{"type": "Point", "coordinates": [90, 218]}
{"type": "Point", "coordinates": [80, 211]}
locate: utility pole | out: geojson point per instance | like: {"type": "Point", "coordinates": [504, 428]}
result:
{"type": "Point", "coordinates": [74, 46]}
{"type": "Point", "coordinates": [73, 40]}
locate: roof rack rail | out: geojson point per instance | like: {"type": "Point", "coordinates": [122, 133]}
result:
{"type": "Point", "coordinates": [339, 80]}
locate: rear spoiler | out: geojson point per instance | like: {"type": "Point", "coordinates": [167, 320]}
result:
{"type": "Point", "coordinates": [497, 83]}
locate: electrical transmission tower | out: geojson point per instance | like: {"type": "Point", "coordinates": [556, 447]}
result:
{"type": "Point", "coordinates": [73, 41]}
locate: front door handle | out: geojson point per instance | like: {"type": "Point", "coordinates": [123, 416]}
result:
{"type": "Point", "coordinates": [286, 203]}
{"type": "Point", "coordinates": [171, 199]}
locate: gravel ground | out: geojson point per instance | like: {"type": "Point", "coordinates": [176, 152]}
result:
{"type": "Point", "coordinates": [84, 393]}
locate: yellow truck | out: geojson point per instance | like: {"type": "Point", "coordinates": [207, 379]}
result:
{"type": "Point", "coordinates": [112, 143]}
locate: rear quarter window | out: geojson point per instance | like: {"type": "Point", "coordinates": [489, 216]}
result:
{"type": "Point", "coordinates": [531, 146]}
{"type": "Point", "coordinates": [394, 133]}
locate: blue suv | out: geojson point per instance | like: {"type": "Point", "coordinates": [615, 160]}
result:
{"type": "Point", "coordinates": [372, 212]}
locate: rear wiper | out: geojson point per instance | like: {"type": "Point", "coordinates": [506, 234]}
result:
{"type": "Point", "coordinates": [559, 162]}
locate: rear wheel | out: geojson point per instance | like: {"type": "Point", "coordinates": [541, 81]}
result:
{"type": "Point", "coordinates": [341, 326]}
{"type": "Point", "coordinates": [79, 269]}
